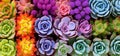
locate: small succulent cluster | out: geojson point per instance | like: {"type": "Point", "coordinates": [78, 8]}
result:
{"type": "Point", "coordinates": [80, 9]}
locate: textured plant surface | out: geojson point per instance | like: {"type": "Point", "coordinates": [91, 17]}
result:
{"type": "Point", "coordinates": [7, 29]}
{"type": "Point", "coordinates": [25, 25]}
{"type": "Point", "coordinates": [7, 47]}
{"type": "Point", "coordinates": [26, 46]}
{"type": "Point", "coordinates": [116, 7]}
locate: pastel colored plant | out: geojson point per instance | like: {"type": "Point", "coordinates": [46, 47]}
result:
{"type": "Point", "coordinates": [100, 47]}
{"type": "Point", "coordinates": [7, 29]}
{"type": "Point", "coordinates": [46, 46]}
{"type": "Point", "coordinates": [7, 10]}
{"type": "Point", "coordinates": [100, 8]}
{"type": "Point", "coordinates": [24, 6]}
{"type": "Point", "coordinates": [116, 24]}
{"type": "Point", "coordinates": [25, 25]}
{"type": "Point", "coordinates": [115, 46]}
{"type": "Point", "coordinates": [26, 46]}
{"type": "Point", "coordinates": [100, 27]}
{"type": "Point", "coordinates": [85, 28]}
{"type": "Point", "coordinates": [62, 48]}
{"type": "Point", "coordinates": [43, 26]}
{"type": "Point", "coordinates": [63, 7]}
{"type": "Point", "coordinates": [65, 28]}
{"type": "Point", "coordinates": [116, 7]}
{"type": "Point", "coordinates": [81, 47]}
{"type": "Point", "coordinates": [80, 9]}
{"type": "Point", "coordinates": [7, 47]}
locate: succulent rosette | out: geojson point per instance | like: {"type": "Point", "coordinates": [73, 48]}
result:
{"type": "Point", "coordinates": [43, 26]}
{"type": "Point", "coordinates": [85, 28]}
{"type": "Point", "coordinates": [116, 7]}
{"type": "Point", "coordinates": [65, 28]}
{"type": "Point", "coordinates": [80, 9]}
{"type": "Point", "coordinates": [100, 47]}
{"type": "Point", "coordinates": [116, 24]}
{"type": "Point", "coordinates": [63, 7]}
{"type": "Point", "coordinates": [7, 29]}
{"type": "Point", "coordinates": [100, 27]}
{"type": "Point", "coordinates": [46, 46]}
{"type": "Point", "coordinates": [7, 10]}
{"type": "Point", "coordinates": [100, 8]}
{"type": "Point", "coordinates": [81, 47]}
{"type": "Point", "coordinates": [115, 46]}
{"type": "Point", "coordinates": [25, 25]}
{"type": "Point", "coordinates": [24, 6]}
{"type": "Point", "coordinates": [62, 48]}
{"type": "Point", "coordinates": [26, 46]}
{"type": "Point", "coordinates": [7, 47]}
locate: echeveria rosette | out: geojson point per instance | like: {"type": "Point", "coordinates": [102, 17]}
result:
{"type": "Point", "coordinates": [7, 10]}
{"type": "Point", "coordinates": [7, 47]}
{"type": "Point", "coordinates": [65, 28]}
{"type": "Point", "coordinates": [100, 8]}
{"type": "Point", "coordinates": [100, 47]}
{"type": "Point", "coordinates": [46, 46]}
{"type": "Point", "coordinates": [81, 47]}
{"type": "Point", "coordinates": [25, 25]}
{"type": "Point", "coordinates": [85, 28]}
{"type": "Point", "coordinates": [43, 26]}
{"type": "Point", "coordinates": [7, 29]}
{"type": "Point", "coordinates": [26, 46]}
{"type": "Point", "coordinates": [100, 27]}
{"type": "Point", "coordinates": [116, 7]}
{"type": "Point", "coordinates": [115, 46]}
{"type": "Point", "coordinates": [62, 49]}
{"type": "Point", "coordinates": [116, 24]}
{"type": "Point", "coordinates": [24, 6]}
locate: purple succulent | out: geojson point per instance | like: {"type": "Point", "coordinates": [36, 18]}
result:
{"type": "Point", "coordinates": [46, 46]}
{"type": "Point", "coordinates": [46, 7]}
{"type": "Point", "coordinates": [65, 28]}
{"type": "Point", "coordinates": [80, 9]}
{"type": "Point", "coordinates": [43, 26]}
{"type": "Point", "coordinates": [85, 28]}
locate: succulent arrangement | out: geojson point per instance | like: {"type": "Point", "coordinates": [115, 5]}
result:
{"type": "Point", "coordinates": [59, 27]}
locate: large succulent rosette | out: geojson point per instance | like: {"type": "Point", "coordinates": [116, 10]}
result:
{"type": "Point", "coordinates": [81, 47]}
{"type": "Point", "coordinates": [100, 8]}
{"type": "Point", "coordinates": [100, 47]}
{"type": "Point", "coordinates": [100, 27]}
{"type": "Point", "coordinates": [26, 46]}
{"type": "Point", "coordinates": [7, 47]}
{"type": "Point", "coordinates": [65, 28]}
{"type": "Point", "coordinates": [84, 28]}
{"type": "Point", "coordinates": [116, 24]}
{"type": "Point", "coordinates": [7, 29]}
{"type": "Point", "coordinates": [7, 10]}
{"type": "Point", "coordinates": [62, 48]}
{"type": "Point", "coordinates": [24, 6]}
{"type": "Point", "coordinates": [115, 46]}
{"type": "Point", "coordinates": [43, 26]}
{"type": "Point", "coordinates": [46, 46]}
{"type": "Point", "coordinates": [116, 7]}
{"type": "Point", "coordinates": [25, 25]}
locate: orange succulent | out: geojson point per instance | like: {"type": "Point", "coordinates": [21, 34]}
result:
{"type": "Point", "coordinates": [26, 46]}
{"type": "Point", "coordinates": [25, 24]}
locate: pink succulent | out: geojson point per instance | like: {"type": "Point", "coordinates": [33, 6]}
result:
{"type": "Point", "coordinates": [65, 28]}
{"type": "Point", "coordinates": [24, 6]}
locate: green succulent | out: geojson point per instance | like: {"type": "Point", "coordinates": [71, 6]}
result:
{"type": "Point", "coordinates": [62, 48]}
{"type": "Point", "coordinates": [100, 47]}
{"type": "Point", "coordinates": [81, 47]}
{"type": "Point", "coordinates": [7, 29]}
{"type": "Point", "coordinates": [7, 47]}
{"type": "Point", "coordinates": [100, 27]}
